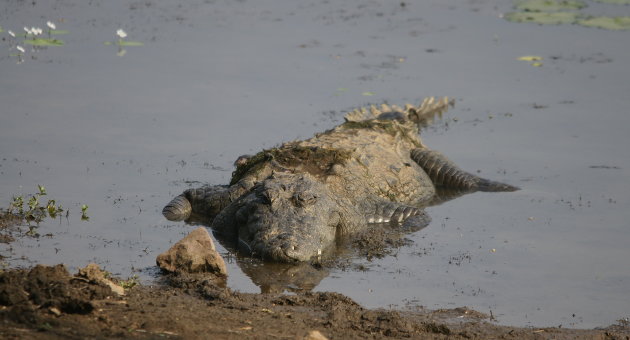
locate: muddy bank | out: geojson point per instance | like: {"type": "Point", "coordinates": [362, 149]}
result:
{"type": "Point", "coordinates": [48, 303]}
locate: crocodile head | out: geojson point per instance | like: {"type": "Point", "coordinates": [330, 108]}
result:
{"type": "Point", "coordinates": [286, 218]}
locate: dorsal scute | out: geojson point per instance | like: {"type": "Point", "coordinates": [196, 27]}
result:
{"type": "Point", "coordinates": [421, 114]}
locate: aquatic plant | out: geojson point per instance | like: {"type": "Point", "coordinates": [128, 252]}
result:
{"type": "Point", "coordinates": [614, 2]}
{"type": "Point", "coordinates": [534, 60]}
{"type": "Point", "coordinates": [556, 12]}
{"type": "Point", "coordinates": [29, 209]}
{"type": "Point", "coordinates": [51, 27]}
{"type": "Point", "coordinates": [543, 18]}
{"type": "Point", "coordinates": [33, 34]}
{"type": "Point", "coordinates": [548, 5]}
{"type": "Point", "coordinates": [35, 211]}
{"type": "Point", "coordinates": [608, 23]}
{"type": "Point", "coordinates": [122, 42]}
{"type": "Point", "coordinates": [84, 215]}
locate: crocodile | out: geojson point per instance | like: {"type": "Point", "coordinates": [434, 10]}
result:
{"type": "Point", "coordinates": [291, 203]}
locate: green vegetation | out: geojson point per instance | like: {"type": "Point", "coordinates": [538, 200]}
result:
{"type": "Point", "coordinates": [608, 23]}
{"type": "Point", "coordinates": [614, 2]}
{"type": "Point", "coordinates": [548, 5]}
{"type": "Point", "coordinates": [124, 43]}
{"type": "Point", "coordinates": [130, 282]}
{"type": "Point", "coordinates": [543, 18]}
{"type": "Point", "coordinates": [557, 12]}
{"type": "Point", "coordinates": [84, 215]}
{"type": "Point", "coordinates": [534, 60]}
{"type": "Point", "coordinates": [32, 209]}
{"type": "Point", "coordinates": [44, 42]}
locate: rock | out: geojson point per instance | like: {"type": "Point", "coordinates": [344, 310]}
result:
{"type": "Point", "coordinates": [194, 253]}
{"type": "Point", "coordinates": [93, 273]}
{"type": "Point", "coordinates": [315, 335]}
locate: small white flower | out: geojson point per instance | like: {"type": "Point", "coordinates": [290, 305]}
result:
{"type": "Point", "coordinates": [122, 34]}
{"type": "Point", "coordinates": [20, 48]}
{"type": "Point", "coordinates": [51, 25]}
{"type": "Point", "coordinates": [11, 33]}
{"type": "Point", "coordinates": [28, 30]}
{"type": "Point", "coordinates": [35, 31]}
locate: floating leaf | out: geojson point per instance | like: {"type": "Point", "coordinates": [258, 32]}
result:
{"type": "Point", "coordinates": [84, 216]}
{"type": "Point", "coordinates": [549, 5]}
{"type": "Point", "coordinates": [368, 93]}
{"type": "Point", "coordinates": [124, 43]}
{"type": "Point", "coordinates": [44, 42]}
{"type": "Point", "coordinates": [59, 32]}
{"type": "Point", "coordinates": [1, 30]}
{"type": "Point", "coordinates": [615, 2]}
{"type": "Point", "coordinates": [609, 23]}
{"type": "Point", "coordinates": [530, 58]}
{"type": "Point", "coordinates": [129, 43]}
{"type": "Point", "coordinates": [543, 18]}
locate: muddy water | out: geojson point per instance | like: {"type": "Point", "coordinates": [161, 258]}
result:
{"type": "Point", "coordinates": [217, 79]}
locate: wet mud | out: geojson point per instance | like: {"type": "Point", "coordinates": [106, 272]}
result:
{"type": "Point", "coordinates": [46, 302]}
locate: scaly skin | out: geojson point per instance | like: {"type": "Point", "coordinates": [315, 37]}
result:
{"type": "Point", "coordinates": [291, 203]}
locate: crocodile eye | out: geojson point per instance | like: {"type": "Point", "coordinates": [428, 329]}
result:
{"type": "Point", "coordinates": [303, 199]}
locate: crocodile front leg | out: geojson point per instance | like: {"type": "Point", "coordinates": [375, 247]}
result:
{"type": "Point", "coordinates": [381, 211]}
{"type": "Point", "coordinates": [443, 172]}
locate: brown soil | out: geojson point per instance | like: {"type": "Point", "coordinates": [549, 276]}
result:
{"type": "Point", "coordinates": [48, 303]}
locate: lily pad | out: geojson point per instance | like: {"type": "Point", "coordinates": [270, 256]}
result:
{"type": "Point", "coordinates": [129, 43]}
{"type": "Point", "coordinates": [44, 42]}
{"type": "Point", "coordinates": [1, 30]}
{"type": "Point", "coordinates": [530, 58]}
{"type": "Point", "coordinates": [124, 43]}
{"type": "Point", "coordinates": [368, 93]}
{"type": "Point", "coordinates": [543, 18]}
{"type": "Point", "coordinates": [615, 2]}
{"type": "Point", "coordinates": [549, 5]}
{"type": "Point", "coordinates": [58, 32]}
{"type": "Point", "coordinates": [608, 23]}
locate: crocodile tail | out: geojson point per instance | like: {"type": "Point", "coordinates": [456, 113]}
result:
{"type": "Point", "coordinates": [422, 114]}
{"type": "Point", "coordinates": [443, 172]}
{"type": "Point", "coordinates": [178, 209]}
{"type": "Point", "coordinates": [429, 108]}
